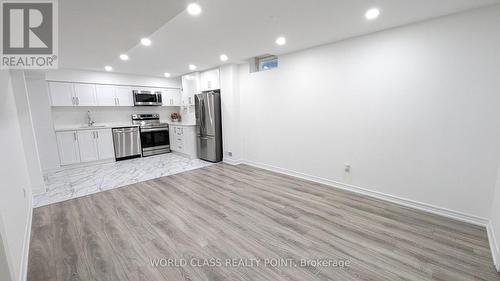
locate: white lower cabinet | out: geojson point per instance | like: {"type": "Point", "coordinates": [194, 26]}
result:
{"type": "Point", "coordinates": [183, 140]}
{"type": "Point", "coordinates": [88, 146]}
{"type": "Point", "coordinates": [85, 146]}
{"type": "Point", "coordinates": [105, 146]}
{"type": "Point", "coordinates": [67, 143]}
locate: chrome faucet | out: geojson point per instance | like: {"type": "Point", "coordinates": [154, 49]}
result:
{"type": "Point", "coordinates": [90, 122]}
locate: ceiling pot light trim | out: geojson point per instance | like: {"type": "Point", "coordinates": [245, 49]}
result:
{"type": "Point", "coordinates": [124, 57]}
{"type": "Point", "coordinates": [281, 41]}
{"type": "Point", "coordinates": [372, 14]}
{"type": "Point", "coordinates": [145, 41]}
{"type": "Point", "coordinates": [194, 9]}
{"type": "Point", "coordinates": [108, 68]}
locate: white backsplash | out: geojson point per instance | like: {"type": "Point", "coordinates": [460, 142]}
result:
{"type": "Point", "coordinates": [69, 116]}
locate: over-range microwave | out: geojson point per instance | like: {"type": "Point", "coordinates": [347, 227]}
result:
{"type": "Point", "coordinates": [147, 98]}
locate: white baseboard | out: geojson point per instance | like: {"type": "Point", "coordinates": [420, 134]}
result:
{"type": "Point", "coordinates": [497, 263]}
{"type": "Point", "coordinates": [393, 199]}
{"type": "Point", "coordinates": [379, 195]}
{"type": "Point", "coordinates": [39, 190]}
{"type": "Point", "coordinates": [231, 161]}
{"type": "Point", "coordinates": [493, 245]}
{"type": "Point", "coordinates": [27, 237]}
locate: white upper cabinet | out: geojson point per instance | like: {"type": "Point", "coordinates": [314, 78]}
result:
{"type": "Point", "coordinates": [171, 97]}
{"type": "Point", "coordinates": [114, 96]}
{"type": "Point", "coordinates": [190, 87]}
{"type": "Point", "coordinates": [210, 80]}
{"type": "Point", "coordinates": [62, 94]}
{"type": "Point", "coordinates": [124, 96]}
{"type": "Point", "coordinates": [80, 94]}
{"type": "Point", "coordinates": [85, 95]}
{"type": "Point", "coordinates": [106, 95]}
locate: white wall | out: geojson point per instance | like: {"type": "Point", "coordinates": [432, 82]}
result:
{"type": "Point", "coordinates": [5, 273]}
{"type": "Point", "coordinates": [27, 131]}
{"type": "Point", "coordinates": [111, 78]}
{"type": "Point", "coordinates": [230, 103]}
{"type": "Point", "coordinates": [15, 199]}
{"type": "Point", "coordinates": [414, 110]}
{"type": "Point", "coordinates": [42, 120]}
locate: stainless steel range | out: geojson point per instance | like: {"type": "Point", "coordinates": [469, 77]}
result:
{"type": "Point", "coordinates": [154, 134]}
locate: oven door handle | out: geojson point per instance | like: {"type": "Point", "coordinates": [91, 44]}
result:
{"type": "Point", "coordinates": [154, 130]}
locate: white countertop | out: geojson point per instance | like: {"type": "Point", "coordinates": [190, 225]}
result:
{"type": "Point", "coordinates": [182, 124]}
{"type": "Point", "coordinates": [103, 126]}
{"type": "Point", "coordinates": [98, 126]}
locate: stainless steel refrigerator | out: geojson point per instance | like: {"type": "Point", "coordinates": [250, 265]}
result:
{"type": "Point", "coordinates": [209, 125]}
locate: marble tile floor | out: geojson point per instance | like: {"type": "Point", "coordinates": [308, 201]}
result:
{"type": "Point", "coordinates": [74, 182]}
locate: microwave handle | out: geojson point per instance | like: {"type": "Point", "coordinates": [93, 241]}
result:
{"type": "Point", "coordinates": [159, 97]}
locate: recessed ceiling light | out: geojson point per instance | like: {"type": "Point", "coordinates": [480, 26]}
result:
{"type": "Point", "coordinates": [372, 14]}
{"type": "Point", "coordinates": [223, 57]}
{"type": "Point", "coordinates": [124, 57]}
{"type": "Point", "coordinates": [192, 67]}
{"type": "Point", "coordinates": [166, 74]}
{"type": "Point", "coordinates": [281, 41]}
{"type": "Point", "coordinates": [194, 9]}
{"type": "Point", "coordinates": [108, 68]}
{"type": "Point", "coordinates": [145, 41]}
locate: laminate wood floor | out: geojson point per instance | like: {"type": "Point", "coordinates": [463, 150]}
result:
{"type": "Point", "coordinates": [242, 215]}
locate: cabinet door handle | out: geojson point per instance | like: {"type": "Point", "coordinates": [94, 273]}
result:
{"type": "Point", "coordinates": [118, 101]}
{"type": "Point", "coordinates": [73, 101]}
{"type": "Point", "coordinates": [97, 134]}
{"type": "Point", "coordinates": [74, 135]}
{"type": "Point", "coordinates": [77, 101]}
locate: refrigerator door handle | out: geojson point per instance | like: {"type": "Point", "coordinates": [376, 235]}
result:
{"type": "Point", "coordinates": [202, 123]}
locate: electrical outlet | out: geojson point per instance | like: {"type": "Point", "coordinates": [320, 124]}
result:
{"type": "Point", "coordinates": [347, 168]}
{"type": "Point", "coordinates": [229, 153]}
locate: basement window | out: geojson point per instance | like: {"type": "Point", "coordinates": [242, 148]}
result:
{"type": "Point", "coordinates": [262, 63]}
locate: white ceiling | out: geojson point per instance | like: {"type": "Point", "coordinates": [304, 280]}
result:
{"type": "Point", "coordinates": [94, 32]}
